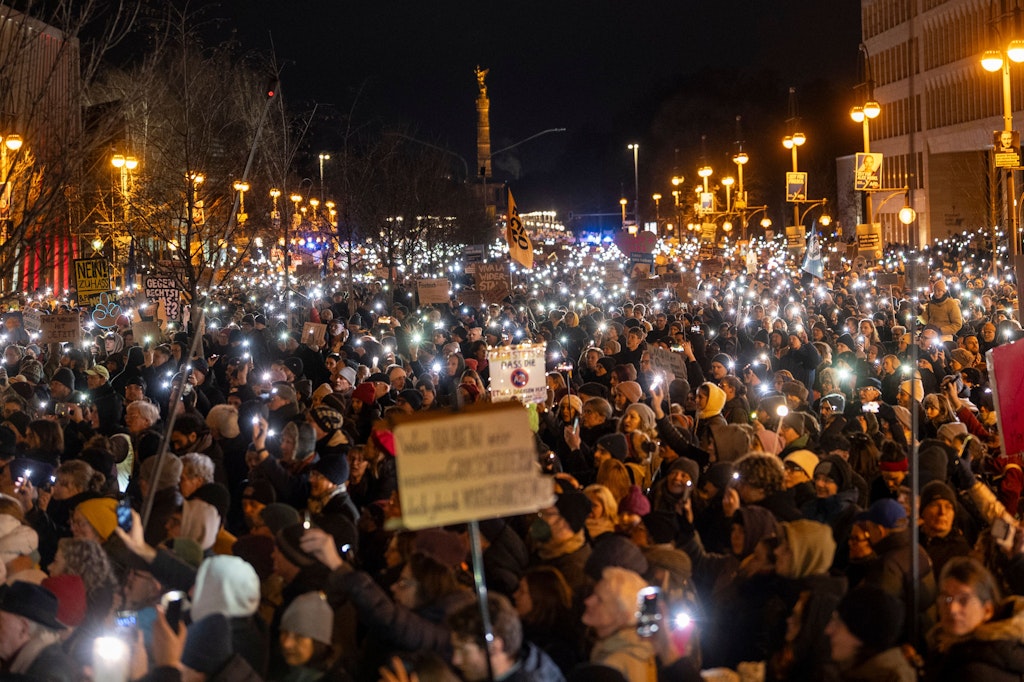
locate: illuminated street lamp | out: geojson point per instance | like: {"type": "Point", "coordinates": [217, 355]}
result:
{"type": "Point", "coordinates": [241, 187]}
{"type": "Point", "coordinates": [794, 142]}
{"type": "Point", "coordinates": [274, 215]}
{"type": "Point", "coordinates": [728, 182]}
{"type": "Point", "coordinates": [622, 203]}
{"type": "Point", "coordinates": [992, 61]}
{"type": "Point", "coordinates": [657, 209]}
{"type": "Point", "coordinates": [296, 217]}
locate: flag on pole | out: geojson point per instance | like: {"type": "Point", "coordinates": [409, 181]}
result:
{"type": "Point", "coordinates": [519, 245]}
{"type": "Point", "coordinates": [812, 259]}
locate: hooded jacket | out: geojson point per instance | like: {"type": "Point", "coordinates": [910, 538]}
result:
{"type": "Point", "coordinates": [812, 547]}
{"type": "Point", "coordinates": [228, 585]}
{"type": "Point", "coordinates": [944, 313]}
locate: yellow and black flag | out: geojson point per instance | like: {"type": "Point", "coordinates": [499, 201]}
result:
{"type": "Point", "coordinates": [519, 245]}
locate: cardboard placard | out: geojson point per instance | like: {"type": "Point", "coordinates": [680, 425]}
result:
{"type": "Point", "coordinates": [31, 320]}
{"type": "Point", "coordinates": [166, 291]}
{"type": "Point", "coordinates": [433, 291]}
{"type": "Point", "coordinates": [518, 372]}
{"type": "Point", "coordinates": [475, 464]}
{"type": "Point", "coordinates": [492, 280]}
{"type": "Point", "coordinates": [62, 328]}
{"type": "Point", "coordinates": [668, 362]}
{"type": "Point", "coordinates": [92, 278]}
{"type": "Point", "coordinates": [147, 330]}
{"type": "Point", "coordinates": [314, 334]}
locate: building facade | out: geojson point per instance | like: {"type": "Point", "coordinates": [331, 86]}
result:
{"type": "Point", "coordinates": [939, 111]}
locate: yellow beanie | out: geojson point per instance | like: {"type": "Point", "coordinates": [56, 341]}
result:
{"type": "Point", "coordinates": [101, 513]}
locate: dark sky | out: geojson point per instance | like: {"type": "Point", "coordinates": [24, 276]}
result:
{"type": "Point", "coordinates": [601, 69]}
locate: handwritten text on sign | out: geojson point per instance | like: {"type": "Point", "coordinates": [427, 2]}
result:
{"type": "Point", "coordinates": [164, 289]}
{"type": "Point", "coordinates": [518, 372]}
{"type": "Point", "coordinates": [433, 291]}
{"type": "Point", "coordinates": [65, 328]}
{"type": "Point", "coordinates": [475, 464]}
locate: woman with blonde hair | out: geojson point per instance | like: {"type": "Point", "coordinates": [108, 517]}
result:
{"type": "Point", "coordinates": [604, 510]}
{"type": "Point", "coordinates": [640, 427]}
{"type": "Point", "coordinates": [613, 475]}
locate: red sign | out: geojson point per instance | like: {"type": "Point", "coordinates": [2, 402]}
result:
{"type": "Point", "coordinates": [1006, 369]}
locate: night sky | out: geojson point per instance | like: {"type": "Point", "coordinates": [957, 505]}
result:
{"type": "Point", "coordinates": [659, 72]}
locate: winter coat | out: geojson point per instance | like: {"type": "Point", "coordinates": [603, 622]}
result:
{"type": "Point", "coordinates": [628, 653]}
{"type": "Point", "coordinates": [534, 666]}
{"type": "Point", "coordinates": [889, 666]}
{"type": "Point", "coordinates": [945, 314]}
{"type": "Point", "coordinates": [994, 651]}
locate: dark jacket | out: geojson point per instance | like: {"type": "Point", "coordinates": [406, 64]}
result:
{"type": "Point", "coordinates": [110, 407]}
{"type": "Point", "coordinates": [993, 652]}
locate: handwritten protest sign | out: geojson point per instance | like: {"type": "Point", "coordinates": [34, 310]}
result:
{"type": "Point", "coordinates": [518, 372]}
{"type": "Point", "coordinates": [63, 328]}
{"type": "Point", "coordinates": [433, 291]}
{"type": "Point", "coordinates": [92, 278]}
{"type": "Point", "coordinates": [165, 290]}
{"type": "Point", "coordinates": [31, 320]}
{"type": "Point", "coordinates": [492, 281]}
{"type": "Point", "coordinates": [476, 464]}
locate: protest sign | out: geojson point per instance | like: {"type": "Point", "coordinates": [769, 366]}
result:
{"type": "Point", "coordinates": [314, 334]}
{"type": "Point", "coordinates": [147, 333]}
{"type": "Point", "coordinates": [92, 278]}
{"type": "Point", "coordinates": [31, 320]}
{"type": "Point", "coordinates": [1004, 366]}
{"type": "Point", "coordinates": [668, 362]}
{"type": "Point", "coordinates": [433, 291]}
{"type": "Point", "coordinates": [492, 280]}
{"type": "Point", "coordinates": [63, 328]}
{"type": "Point", "coordinates": [475, 464]}
{"type": "Point", "coordinates": [518, 372]}
{"type": "Point", "coordinates": [165, 290]}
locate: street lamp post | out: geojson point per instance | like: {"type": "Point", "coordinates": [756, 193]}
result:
{"type": "Point", "coordinates": [864, 114]}
{"type": "Point", "coordinates": [794, 142]}
{"type": "Point", "coordinates": [622, 203]}
{"type": "Point", "coordinates": [657, 213]}
{"type": "Point", "coordinates": [323, 157]}
{"type": "Point", "coordinates": [241, 187]}
{"type": "Point", "coordinates": [728, 182]}
{"type": "Point", "coordinates": [635, 148]}
{"type": "Point", "coordinates": [992, 61]}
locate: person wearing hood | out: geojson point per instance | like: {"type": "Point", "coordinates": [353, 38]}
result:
{"type": "Point", "coordinates": [710, 521]}
{"type": "Point", "coordinates": [230, 587]}
{"type": "Point", "coordinates": [943, 311]}
{"type": "Point", "coordinates": [835, 501]}
{"type": "Point", "coordinates": [133, 364]}
{"type": "Point", "coordinates": [800, 358]}
{"type": "Point", "coordinates": [737, 584]}
{"type": "Point", "coordinates": [804, 596]}
{"type": "Point", "coordinates": [710, 402]}
{"type": "Point", "coordinates": [674, 488]}
{"type": "Point", "coordinates": [980, 635]}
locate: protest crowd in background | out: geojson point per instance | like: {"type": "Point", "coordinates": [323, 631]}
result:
{"type": "Point", "coordinates": [757, 447]}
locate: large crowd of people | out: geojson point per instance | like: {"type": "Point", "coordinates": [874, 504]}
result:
{"type": "Point", "coordinates": [227, 507]}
